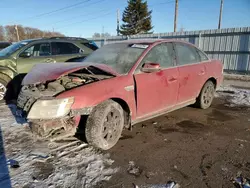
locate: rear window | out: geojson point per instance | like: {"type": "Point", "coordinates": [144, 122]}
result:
{"type": "Point", "coordinates": [186, 54]}
{"type": "Point", "coordinates": [202, 56]}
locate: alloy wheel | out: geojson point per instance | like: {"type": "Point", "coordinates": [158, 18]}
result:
{"type": "Point", "coordinates": [111, 125]}
{"type": "Point", "coordinates": [2, 91]}
{"type": "Point", "coordinates": [208, 95]}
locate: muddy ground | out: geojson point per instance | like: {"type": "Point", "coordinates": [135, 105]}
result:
{"type": "Point", "coordinates": [196, 148]}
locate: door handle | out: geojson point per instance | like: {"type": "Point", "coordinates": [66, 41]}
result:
{"type": "Point", "coordinates": [202, 72]}
{"type": "Point", "coordinates": [50, 60]}
{"type": "Point", "coordinates": [172, 79]}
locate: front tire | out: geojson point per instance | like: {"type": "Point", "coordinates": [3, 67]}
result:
{"type": "Point", "coordinates": [104, 125]}
{"type": "Point", "coordinates": [206, 95]}
{"type": "Point", "coordinates": [4, 80]}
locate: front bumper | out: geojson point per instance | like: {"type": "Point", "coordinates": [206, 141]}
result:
{"type": "Point", "coordinates": [47, 128]}
{"type": "Point", "coordinates": [34, 107]}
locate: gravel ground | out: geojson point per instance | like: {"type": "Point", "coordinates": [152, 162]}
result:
{"type": "Point", "coordinates": [194, 147]}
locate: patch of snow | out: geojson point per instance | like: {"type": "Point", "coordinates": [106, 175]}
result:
{"type": "Point", "coordinates": [235, 96]}
{"type": "Point", "coordinates": [84, 168]}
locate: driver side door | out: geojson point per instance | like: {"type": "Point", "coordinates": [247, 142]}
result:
{"type": "Point", "coordinates": [158, 90]}
{"type": "Point", "coordinates": [38, 53]}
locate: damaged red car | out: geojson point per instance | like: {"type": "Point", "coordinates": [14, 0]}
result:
{"type": "Point", "coordinates": [116, 87]}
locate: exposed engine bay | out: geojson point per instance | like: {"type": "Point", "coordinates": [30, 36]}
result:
{"type": "Point", "coordinates": [30, 93]}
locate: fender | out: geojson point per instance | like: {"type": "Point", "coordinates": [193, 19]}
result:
{"type": "Point", "coordinates": [8, 71]}
{"type": "Point", "coordinates": [212, 79]}
{"type": "Point", "coordinates": [90, 95]}
{"type": "Point", "coordinates": [8, 67]}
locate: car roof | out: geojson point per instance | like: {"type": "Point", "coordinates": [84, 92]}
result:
{"type": "Point", "coordinates": [153, 41]}
{"type": "Point", "coordinates": [57, 39]}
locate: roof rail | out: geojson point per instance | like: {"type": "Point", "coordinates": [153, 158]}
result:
{"type": "Point", "coordinates": [69, 38]}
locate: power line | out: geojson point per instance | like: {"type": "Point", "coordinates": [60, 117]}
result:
{"type": "Point", "coordinates": [57, 10]}
{"type": "Point", "coordinates": [86, 14]}
{"type": "Point", "coordinates": [85, 6]}
{"type": "Point", "coordinates": [79, 16]}
{"type": "Point", "coordinates": [163, 3]}
{"type": "Point", "coordinates": [85, 20]}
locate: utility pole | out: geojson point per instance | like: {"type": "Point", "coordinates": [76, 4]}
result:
{"type": "Point", "coordinates": [118, 22]}
{"type": "Point", "coordinates": [17, 34]}
{"type": "Point", "coordinates": [221, 9]}
{"type": "Point", "coordinates": [102, 32]}
{"type": "Point", "coordinates": [175, 15]}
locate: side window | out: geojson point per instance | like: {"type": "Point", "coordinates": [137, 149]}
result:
{"type": "Point", "coordinates": [186, 54]}
{"type": "Point", "coordinates": [162, 54]}
{"type": "Point", "coordinates": [202, 56]}
{"type": "Point", "coordinates": [37, 50]}
{"type": "Point", "coordinates": [64, 48]}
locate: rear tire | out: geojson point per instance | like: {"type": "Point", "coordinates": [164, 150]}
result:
{"type": "Point", "coordinates": [4, 80]}
{"type": "Point", "coordinates": [104, 125]}
{"type": "Point", "coordinates": [206, 95]}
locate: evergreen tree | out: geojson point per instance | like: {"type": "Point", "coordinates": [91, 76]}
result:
{"type": "Point", "coordinates": [136, 18]}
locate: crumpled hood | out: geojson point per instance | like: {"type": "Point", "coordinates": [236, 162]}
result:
{"type": "Point", "coordinates": [42, 72]}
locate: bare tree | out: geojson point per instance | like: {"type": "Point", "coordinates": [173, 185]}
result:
{"type": "Point", "coordinates": [96, 35]}
{"type": "Point", "coordinates": [52, 34]}
{"type": "Point", "coordinates": [27, 33]}
{"type": "Point", "coordinates": [99, 35]}
{"type": "Point", "coordinates": [10, 33]}
{"type": "Point", "coordinates": [182, 29]}
{"type": "Point", "coordinates": [2, 37]}
{"type": "Point", "coordinates": [21, 32]}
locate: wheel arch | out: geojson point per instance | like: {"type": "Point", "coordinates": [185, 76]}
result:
{"type": "Point", "coordinates": [127, 112]}
{"type": "Point", "coordinates": [213, 80]}
{"type": "Point", "coordinates": [7, 72]}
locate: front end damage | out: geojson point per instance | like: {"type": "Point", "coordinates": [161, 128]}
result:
{"type": "Point", "coordinates": [52, 117]}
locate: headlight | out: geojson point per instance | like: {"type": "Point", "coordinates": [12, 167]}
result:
{"type": "Point", "coordinates": [48, 109]}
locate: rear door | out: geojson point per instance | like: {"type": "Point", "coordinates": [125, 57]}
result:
{"type": "Point", "coordinates": [157, 91]}
{"type": "Point", "coordinates": [192, 72]}
{"type": "Point", "coordinates": [39, 53]}
{"type": "Point", "coordinates": [64, 51]}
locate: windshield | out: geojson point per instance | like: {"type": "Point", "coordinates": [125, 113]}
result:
{"type": "Point", "coordinates": [120, 56]}
{"type": "Point", "coordinates": [12, 48]}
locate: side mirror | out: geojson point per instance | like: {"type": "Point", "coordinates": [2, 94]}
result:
{"type": "Point", "coordinates": [25, 54]}
{"type": "Point", "coordinates": [151, 67]}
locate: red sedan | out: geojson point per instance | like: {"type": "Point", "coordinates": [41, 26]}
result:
{"type": "Point", "coordinates": [117, 86]}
